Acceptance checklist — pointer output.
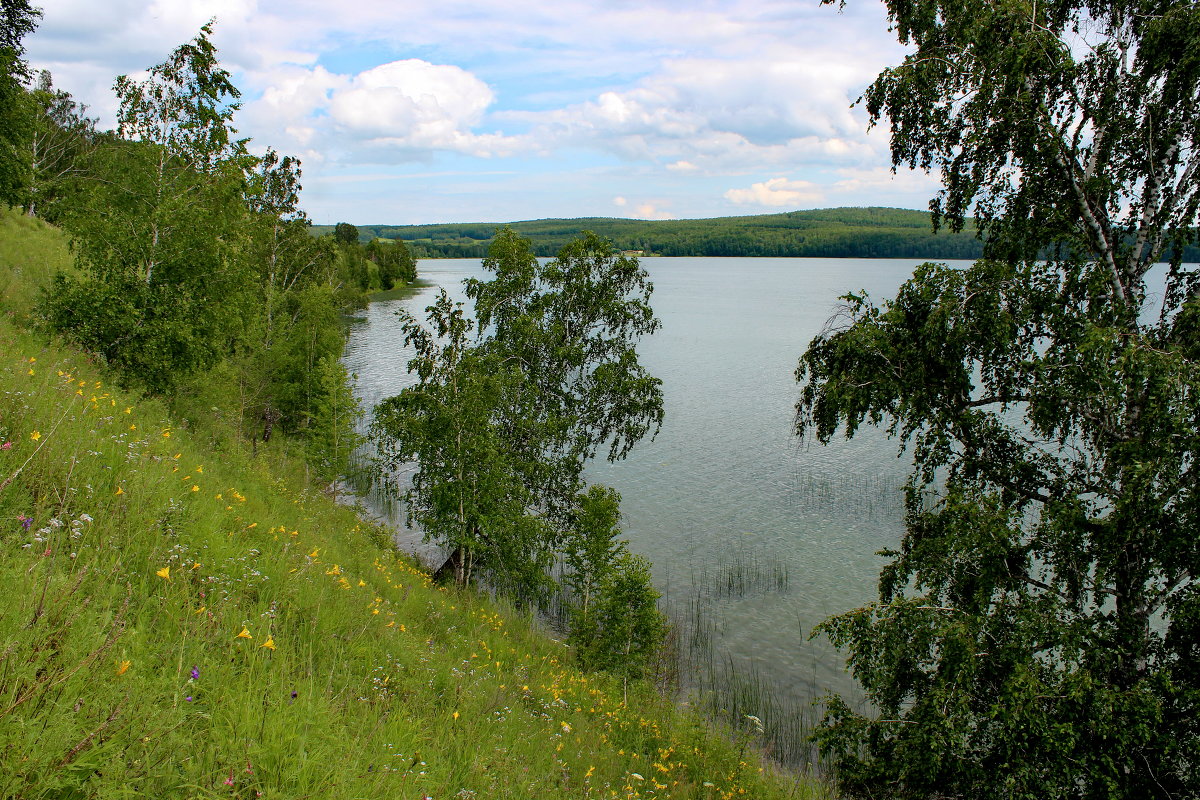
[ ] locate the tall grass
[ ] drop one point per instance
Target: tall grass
(733, 692)
(179, 621)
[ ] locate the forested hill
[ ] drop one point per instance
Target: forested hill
(835, 232)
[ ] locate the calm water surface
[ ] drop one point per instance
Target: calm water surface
(726, 487)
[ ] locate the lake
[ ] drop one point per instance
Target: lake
(755, 535)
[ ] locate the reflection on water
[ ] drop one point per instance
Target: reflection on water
(726, 480)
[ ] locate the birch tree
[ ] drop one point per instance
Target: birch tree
(1037, 630)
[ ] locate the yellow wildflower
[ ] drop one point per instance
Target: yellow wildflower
(166, 433)
(164, 573)
(245, 634)
(35, 435)
(119, 491)
(269, 643)
(201, 610)
(128, 409)
(122, 667)
(195, 488)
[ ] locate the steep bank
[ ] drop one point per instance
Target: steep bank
(184, 617)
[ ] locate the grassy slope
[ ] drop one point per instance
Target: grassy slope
(131, 554)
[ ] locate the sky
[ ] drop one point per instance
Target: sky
(407, 112)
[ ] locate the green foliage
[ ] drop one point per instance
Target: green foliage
(345, 234)
(615, 624)
(1034, 634)
(60, 146)
(504, 416)
(571, 326)
(394, 260)
(165, 289)
(332, 435)
(465, 493)
(17, 19)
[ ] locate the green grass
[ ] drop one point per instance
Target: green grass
(132, 553)
(400, 292)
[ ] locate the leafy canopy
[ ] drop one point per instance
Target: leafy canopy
(1037, 630)
(17, 19)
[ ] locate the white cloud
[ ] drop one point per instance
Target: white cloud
(777, 192)
(650, 211)
(398, 111)
(620, 202)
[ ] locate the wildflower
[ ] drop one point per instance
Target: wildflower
(229, 780)
(195, 673)
(195, 565)
(25, 521)
(245, 634)
(566, 728)
(164, 573)
(85, 517)
(294, 695)
(128, 409)
(119, 491)
(122, 667)
(199, 470)
(201, 610)
(269, 643)
(455, 715)
(166, 433)
(195, 488)
(636, 775)
(188, 698)
(6, 446)
(35, 435)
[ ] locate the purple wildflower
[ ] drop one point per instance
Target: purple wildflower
(188, 698)
(195, 673)
(25, 521)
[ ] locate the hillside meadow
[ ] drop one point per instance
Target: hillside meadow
(186, 616)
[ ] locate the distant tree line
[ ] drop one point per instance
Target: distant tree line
(823, 233)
